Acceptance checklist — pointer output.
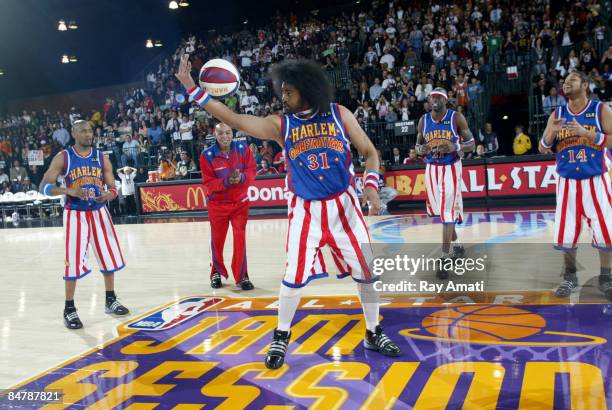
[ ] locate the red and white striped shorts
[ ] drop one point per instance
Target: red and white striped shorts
(583, 198)
(336, 222)
(90, 227)
(443, 185)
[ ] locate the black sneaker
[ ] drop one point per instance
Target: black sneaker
(215, 281)
(442, 273)
(380, 342)
(277, 350)
(605, 286)
(458, 251)
(246, 285)
(569, 285)
(71, 319)
(114, 307)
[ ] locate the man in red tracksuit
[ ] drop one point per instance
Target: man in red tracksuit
(228, 169)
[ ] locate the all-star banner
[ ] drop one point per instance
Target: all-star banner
(479, 181)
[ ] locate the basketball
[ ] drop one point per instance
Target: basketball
(220, 78)
(478, 323)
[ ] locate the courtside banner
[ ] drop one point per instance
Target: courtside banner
(191, 196)
(482, 180)
(479, 181)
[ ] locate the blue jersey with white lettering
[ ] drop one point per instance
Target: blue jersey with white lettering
(578, 157)
(440, 132)
(86, 173)
(318, 154)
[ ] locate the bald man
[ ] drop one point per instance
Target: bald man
(228, 169)
(90, 185)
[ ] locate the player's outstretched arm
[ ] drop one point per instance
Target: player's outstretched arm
(365, 147)
(550, 134)
(467, 138)
(48, 183)
(268, 128)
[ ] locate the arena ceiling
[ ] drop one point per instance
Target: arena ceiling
(109, 42)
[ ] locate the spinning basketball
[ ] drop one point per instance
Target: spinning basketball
(220, 78)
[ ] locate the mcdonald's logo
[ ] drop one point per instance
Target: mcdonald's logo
(196, 194)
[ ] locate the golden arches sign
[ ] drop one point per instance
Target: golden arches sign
(196, 194)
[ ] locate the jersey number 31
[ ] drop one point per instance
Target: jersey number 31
(313, 162)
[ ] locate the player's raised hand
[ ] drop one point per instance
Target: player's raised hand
(184, 73)
(577, 129)
(556, 126)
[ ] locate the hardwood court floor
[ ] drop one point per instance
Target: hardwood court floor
(168, 261)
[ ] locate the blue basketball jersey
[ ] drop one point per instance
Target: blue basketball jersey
(87, 174)
(580, 158)
(436, 133)
(318, 154)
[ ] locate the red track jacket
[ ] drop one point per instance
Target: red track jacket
(217, 168)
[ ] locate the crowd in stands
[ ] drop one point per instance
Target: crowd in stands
(394, 54)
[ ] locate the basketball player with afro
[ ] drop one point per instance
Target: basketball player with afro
(442, 135)
(579, 135)
(323, 209)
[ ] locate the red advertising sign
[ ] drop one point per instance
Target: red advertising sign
(508, 179)
(191, 196)
(410, 183)
(493, 180)
(522, 178)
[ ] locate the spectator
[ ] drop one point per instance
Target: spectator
(185, 166)
(279, 161)
(553, 101)
(413, 158)
(127, 176)
(3, 177)
(489, 139)
(387, 194)
(5, 187)
(131, 148)
(167, 170)
(474, 89)
(61, 135)
(480, 152)
(522, 142)
(141, 176)
(255, 152)
(155, 133)
(375, 90)
(266, 169)
(18, 173)
(461, 90)
(267, 152)
(396, 157)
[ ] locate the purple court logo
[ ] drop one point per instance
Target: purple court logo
(208, 352)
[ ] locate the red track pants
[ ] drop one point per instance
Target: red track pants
(220, 215)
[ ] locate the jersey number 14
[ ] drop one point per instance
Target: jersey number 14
(581, 156)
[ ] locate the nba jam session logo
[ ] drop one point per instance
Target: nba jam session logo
(208, 352)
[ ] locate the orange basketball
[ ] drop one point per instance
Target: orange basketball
(484, 323)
